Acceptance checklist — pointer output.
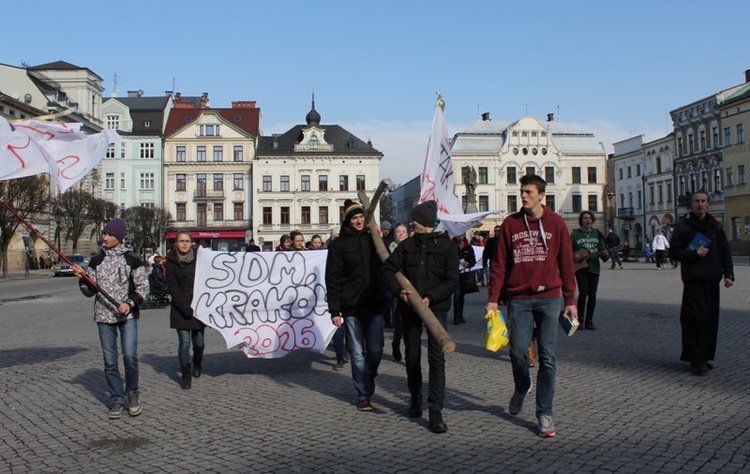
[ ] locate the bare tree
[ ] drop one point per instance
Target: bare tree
(29, 197)
(76, 216)
(386, 203)
(147, 224)
(101, 211)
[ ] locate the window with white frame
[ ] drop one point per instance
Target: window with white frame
(147, 151)
(239, 181)
(146, 181)
(181, 154)
(482, 175)
(740, 133)
(239, 153)
(109, 181)
(200, 154)
(111, 151)
(305, 182)
(209, 130)
(267, 185)
(218, 153)
(284, 183)
(122, 181)
(113, 122)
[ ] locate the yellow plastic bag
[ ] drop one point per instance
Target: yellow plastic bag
(497, 331)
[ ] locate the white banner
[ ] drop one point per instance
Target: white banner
(438, 183)
(267, 303)
(32, 147)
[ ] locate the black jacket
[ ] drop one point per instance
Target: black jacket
(180, 279)
(430, 263)
(716, 264)
(353, 275)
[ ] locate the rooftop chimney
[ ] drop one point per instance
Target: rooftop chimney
(550, 117)
(204, 101)
(747, 75)
(135, 93)
(243, 104)
(486, 117)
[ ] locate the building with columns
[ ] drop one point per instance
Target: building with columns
(302, 177)
(572, 162)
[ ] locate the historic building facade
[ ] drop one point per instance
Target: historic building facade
(659, 186)
(698, 159)
(132, 170)
(630, 214)
(734, 109)
(206, 181)
(572, 162)
(302, 177)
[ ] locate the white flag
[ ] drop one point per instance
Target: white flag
(438, 183)
(266, 303)
(32, 147)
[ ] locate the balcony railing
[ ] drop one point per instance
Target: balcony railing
(205, 194)
(625, 213)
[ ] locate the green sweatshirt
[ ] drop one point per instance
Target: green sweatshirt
(593, 241)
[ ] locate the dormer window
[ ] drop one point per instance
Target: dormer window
(314, 140)
(209, 130)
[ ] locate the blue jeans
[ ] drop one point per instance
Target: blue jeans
(365, 337)
(129, 342)
(522, 314)
(185, 338)
(339, 344)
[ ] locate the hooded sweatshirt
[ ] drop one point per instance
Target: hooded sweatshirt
(532, 265)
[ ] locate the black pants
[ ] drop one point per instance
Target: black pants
(659, 258)
(588, 283)
(412, 328)
(699, 318)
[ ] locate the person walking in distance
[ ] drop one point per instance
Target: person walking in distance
(613, 247)
(699, 242)
(180, 278)
(660, 246)
(430, 262)
(588, 248)
(535, 261)
(466, 260)
(355, 295)
(120, 273)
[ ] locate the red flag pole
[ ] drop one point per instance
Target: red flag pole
(58, 252)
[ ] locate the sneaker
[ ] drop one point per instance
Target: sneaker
(134, 404)
(516, 401)
(364, 405)
(339, 364)
(115, 411)
(546, 427)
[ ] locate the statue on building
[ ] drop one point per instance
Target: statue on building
(470, 181)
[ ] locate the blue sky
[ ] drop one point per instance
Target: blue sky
(614, 68)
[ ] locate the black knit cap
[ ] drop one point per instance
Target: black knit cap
(425, 213)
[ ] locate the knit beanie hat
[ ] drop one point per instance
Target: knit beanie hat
(386, 225)
(351, 209)
(117, 228)
(425, 213)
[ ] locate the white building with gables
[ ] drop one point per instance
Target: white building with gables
(572, 162)
(302, 177)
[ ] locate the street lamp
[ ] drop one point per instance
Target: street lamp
(608, 214)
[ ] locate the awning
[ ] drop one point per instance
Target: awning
(210, 234)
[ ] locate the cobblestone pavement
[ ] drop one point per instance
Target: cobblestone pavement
(624, 402)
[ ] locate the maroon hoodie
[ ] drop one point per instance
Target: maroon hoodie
(531, 266)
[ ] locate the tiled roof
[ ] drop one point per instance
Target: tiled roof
(343, 142)
(247, 119)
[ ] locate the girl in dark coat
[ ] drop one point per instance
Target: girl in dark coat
(180, 277)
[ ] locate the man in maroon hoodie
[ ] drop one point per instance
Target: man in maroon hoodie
(534, 262)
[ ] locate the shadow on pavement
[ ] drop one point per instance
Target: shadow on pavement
(35, 355)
